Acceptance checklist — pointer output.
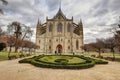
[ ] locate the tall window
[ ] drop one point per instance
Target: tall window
(49, 47)
(50, 41)
(50, 27)
(77, 44)
(68, 47)
(59, 28)
(61, 40)
(68, 27)
(57, 40)
(68, 41)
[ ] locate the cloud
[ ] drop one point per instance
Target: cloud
(52, 4)
(98, 16)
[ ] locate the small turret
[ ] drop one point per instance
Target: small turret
(80, 23)
(38, 27)
(39, 23)
(47, 18)
(72, 17)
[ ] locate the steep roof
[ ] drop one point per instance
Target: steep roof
(59, 14)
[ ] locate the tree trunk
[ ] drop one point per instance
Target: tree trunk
(16, 49)
(29, 50)
(16, 43)
(113, 53)
(9, 52)
(22, 49)
(99, 52)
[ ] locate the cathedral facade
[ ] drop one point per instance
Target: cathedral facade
(60, 35)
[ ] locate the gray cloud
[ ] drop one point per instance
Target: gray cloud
(52, 4)
(98, 16)
(100, 9)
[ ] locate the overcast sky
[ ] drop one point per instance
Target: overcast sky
(98, 16)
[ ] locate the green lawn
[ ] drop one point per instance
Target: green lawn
(103, 54)
(117, 56)
(4, 55)
(52, 59)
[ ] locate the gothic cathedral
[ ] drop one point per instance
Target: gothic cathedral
(60, 35)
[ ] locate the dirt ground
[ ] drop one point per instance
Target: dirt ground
(12, 70)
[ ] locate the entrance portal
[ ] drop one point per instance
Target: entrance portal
(59, 48)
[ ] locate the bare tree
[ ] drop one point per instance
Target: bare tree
(116, 32)
(15, 28)
(2, 33)
(20, 31)
(5, 3)
(10, 43)
(27, 33)
(99, 45)
(111, 44)
(87, 47)
(30, 45)
(117, 39)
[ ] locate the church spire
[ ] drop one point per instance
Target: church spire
(59, 13)
(80, 23)
(38, 22)
(60, 5)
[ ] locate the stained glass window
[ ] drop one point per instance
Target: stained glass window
(59, 28)
(68, 27)
(50, 27)
(77, 44)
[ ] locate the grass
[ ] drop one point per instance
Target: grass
(4, 55)
(117, 56)
(102, 54)
(69, 58)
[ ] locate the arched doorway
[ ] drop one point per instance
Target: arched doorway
(59, 48)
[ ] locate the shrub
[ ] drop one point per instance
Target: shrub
(27, 60)
(12, 57)
(93, 55)
(63, 63)
(117, 59)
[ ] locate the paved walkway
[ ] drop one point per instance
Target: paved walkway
(12, 70)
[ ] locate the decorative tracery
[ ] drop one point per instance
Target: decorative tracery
(50, 27)
(59, 28)
(68, 27)
(77, 44)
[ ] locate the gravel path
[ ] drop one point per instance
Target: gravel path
(12, 70)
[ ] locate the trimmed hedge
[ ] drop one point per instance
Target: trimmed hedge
(58, 63)
(117, 59)
(62, 61)
(90, 62)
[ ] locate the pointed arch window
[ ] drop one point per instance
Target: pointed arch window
(50, 41)
(50, 47)
(77, 44)
(69, 47)
(50, 28)
(59, 28)
(68, 27)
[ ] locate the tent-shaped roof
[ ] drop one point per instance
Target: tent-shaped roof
(59, 14)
